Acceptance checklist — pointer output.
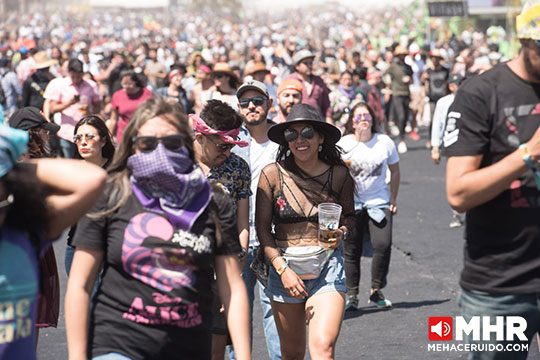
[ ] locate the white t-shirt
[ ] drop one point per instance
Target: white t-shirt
(260, 155)
(368, 164)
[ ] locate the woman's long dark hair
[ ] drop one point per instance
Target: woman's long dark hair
(330, 154)
(97, 123)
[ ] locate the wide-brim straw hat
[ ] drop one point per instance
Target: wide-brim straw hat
(306, 114)
(42, 61)
(223, 67)
(258, 66)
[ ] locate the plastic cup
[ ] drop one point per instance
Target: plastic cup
(329, 214)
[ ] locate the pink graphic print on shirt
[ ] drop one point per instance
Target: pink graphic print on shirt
(149, 256)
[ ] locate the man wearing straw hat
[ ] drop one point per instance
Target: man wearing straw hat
(35, 85)
(492, 139)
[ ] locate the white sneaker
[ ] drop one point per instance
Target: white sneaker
(456, 221)
(402, 147)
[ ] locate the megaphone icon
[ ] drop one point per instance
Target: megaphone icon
(442, 328)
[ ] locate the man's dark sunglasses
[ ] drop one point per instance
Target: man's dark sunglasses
(218, 75)
(307, 133)
(221, 147)
(257, 101)
(5, 204)
(149, 143)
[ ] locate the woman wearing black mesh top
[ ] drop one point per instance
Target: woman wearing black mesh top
(306, 282)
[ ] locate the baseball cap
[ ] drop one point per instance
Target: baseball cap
(29, 118)
(527, 24)
(289, 84)
(301, 55)
(252, 85)
(456, 78)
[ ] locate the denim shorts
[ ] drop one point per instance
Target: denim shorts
(332, 278)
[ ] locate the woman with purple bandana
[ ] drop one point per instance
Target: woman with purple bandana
(160, 229)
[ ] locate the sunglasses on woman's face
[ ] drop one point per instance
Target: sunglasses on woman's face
(221, 147)
(257, 101)
(307, 133)
(149, 143)
(88, 136)
(5, 204)
(366, 117)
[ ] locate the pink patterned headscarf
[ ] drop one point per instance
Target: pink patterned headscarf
(229, 136)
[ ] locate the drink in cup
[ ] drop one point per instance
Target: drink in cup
(329, 214)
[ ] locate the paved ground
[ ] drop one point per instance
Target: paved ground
(424, 271)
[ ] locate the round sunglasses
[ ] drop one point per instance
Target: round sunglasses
(307, 133)
(366, 117)
(149, 143)
(88, 136)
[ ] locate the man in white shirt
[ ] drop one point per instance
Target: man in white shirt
(254, 103)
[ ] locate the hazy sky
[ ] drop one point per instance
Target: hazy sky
(299, 3)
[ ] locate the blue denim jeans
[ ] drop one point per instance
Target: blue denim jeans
(270, 330)
(68, 149)
(111, 356)
(479, 303)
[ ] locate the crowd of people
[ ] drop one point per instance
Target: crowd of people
(220, 138)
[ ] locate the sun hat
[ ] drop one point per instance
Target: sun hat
(307, 114)
(29, 118)
(289, 84)
(301, 55)
(252, 85)
(527, 23)
(401, 50)
(258, 66)
(42, 61)
(223, 67)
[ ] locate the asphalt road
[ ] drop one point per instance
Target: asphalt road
(423, 280)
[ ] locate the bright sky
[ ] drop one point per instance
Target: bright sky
(299, 3)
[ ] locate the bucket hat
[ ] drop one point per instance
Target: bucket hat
(306, 114)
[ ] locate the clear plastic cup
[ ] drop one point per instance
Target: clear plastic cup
(329, 214)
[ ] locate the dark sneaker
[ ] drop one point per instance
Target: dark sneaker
(352, 303)
(378, 299)
(456, 221)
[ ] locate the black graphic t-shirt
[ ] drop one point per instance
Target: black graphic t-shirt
(155, 297)
(493, 114)
(438, 83)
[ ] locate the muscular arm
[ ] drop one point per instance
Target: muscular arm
(468, 186)
(56, 106)
(75, 185)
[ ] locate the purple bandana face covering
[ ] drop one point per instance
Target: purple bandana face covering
(168, 182)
